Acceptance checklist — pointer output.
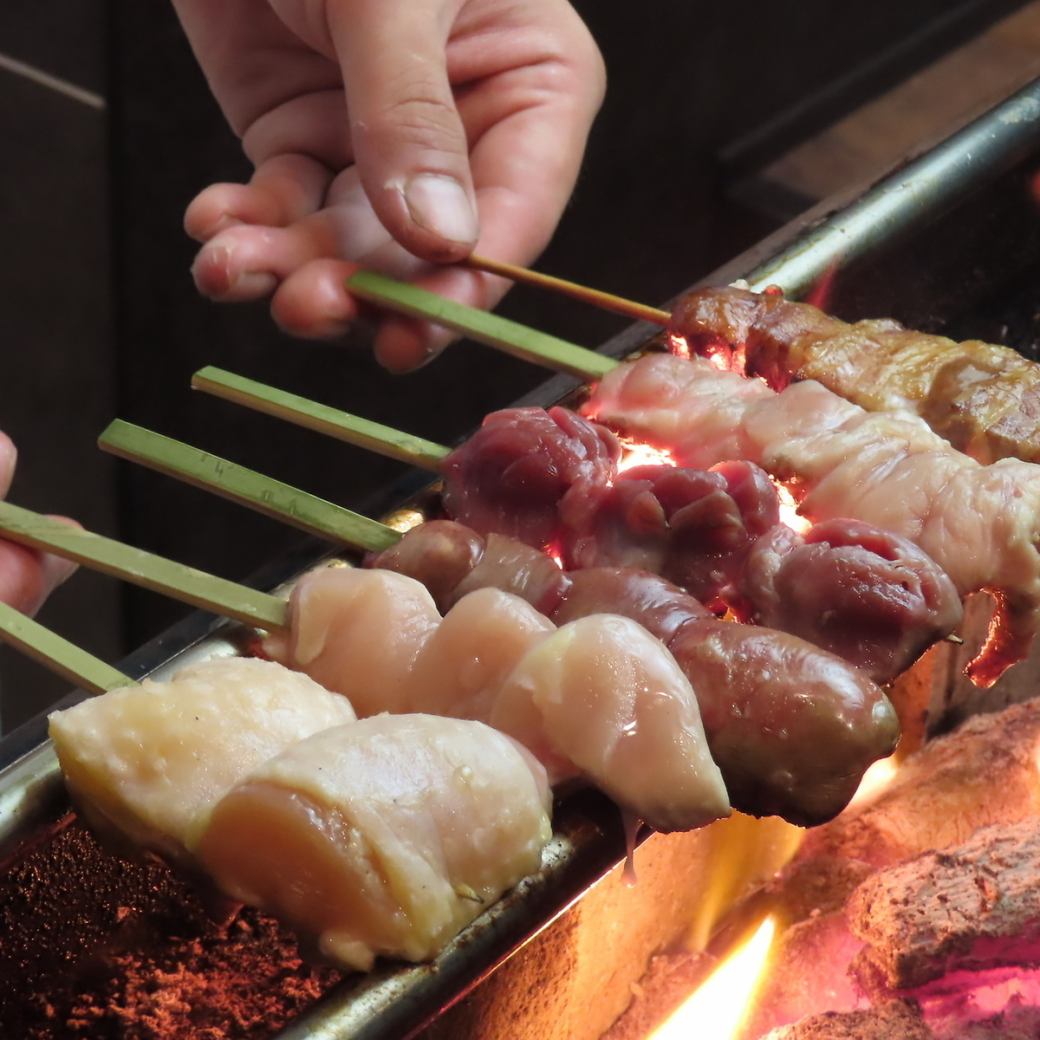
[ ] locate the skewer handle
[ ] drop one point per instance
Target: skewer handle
(508, 336)
(604, 300)
(245, 486)
(58, 654)
(384, 440)
(143, 568)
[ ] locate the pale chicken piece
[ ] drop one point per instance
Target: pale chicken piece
(465, 661)
(980, 524)
(143, 760)
(668, 402)
(383, 837)
(606, 696)
(357, 632)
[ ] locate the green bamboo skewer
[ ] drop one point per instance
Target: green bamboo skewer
(321, 418)
(143, 568)
(351, 429)
(266, 495)
(247, 487)
(501, 333)
(58, 654)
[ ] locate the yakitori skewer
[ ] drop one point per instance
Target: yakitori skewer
(58, 654)
(322, 419)
(509, 336)
(264, 494)
(344, 426)
(143, 568)
(604, 300)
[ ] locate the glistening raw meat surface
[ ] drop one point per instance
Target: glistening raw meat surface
(791, 727)
(514, 474)
(978, 523)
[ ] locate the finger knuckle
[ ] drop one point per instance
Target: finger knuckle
(422, 119)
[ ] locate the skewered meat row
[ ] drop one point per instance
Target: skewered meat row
(984, 399)
(347, 830)
(552, 479)
(791, 727)
(978, 523)
(599, 699)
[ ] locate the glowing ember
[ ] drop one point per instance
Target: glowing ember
(720, 1007)
(678, 345)
(726, 357)
(635, 453)
(789, 514)
(875, 780)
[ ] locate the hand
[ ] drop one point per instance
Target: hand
(27, 577)
(396, 134)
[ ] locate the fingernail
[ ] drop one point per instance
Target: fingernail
(440, 204)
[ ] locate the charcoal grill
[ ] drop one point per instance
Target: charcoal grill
(949, 242)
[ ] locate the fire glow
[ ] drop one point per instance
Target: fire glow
(679, 345)
(720, 1006)
(636, 453)
(789, 515)
(876, 780)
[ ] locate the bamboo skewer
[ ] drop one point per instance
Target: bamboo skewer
(58, 654)
(247, 487)
(345, 427)
(583, 293)
(283, 503)
(143, 568)
(508, 336)
(351, 429)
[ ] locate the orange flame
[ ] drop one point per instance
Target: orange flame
(875, 781)
(720, 1007)
(678, 345)
(636, 453)
(789, 514)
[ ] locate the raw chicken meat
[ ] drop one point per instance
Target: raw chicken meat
(357, 632)
(382, 837)
(978, 523)
(143, 760)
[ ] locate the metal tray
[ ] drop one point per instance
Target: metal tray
(946, 237)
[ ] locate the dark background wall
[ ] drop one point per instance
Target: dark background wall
(108, 130)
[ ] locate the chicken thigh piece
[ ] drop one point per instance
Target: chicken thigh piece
(383, 837)
(143, 760)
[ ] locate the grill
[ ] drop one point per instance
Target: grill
(947, 242)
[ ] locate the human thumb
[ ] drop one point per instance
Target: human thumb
(409, 142)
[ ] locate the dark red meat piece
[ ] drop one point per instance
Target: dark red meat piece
(511, 476)
(869, 596)
(510, 565)
(792, 727)
(439, 553)
(658, 605)
(694, 527)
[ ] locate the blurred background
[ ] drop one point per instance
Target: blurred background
(721, 123)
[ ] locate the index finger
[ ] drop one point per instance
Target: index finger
(8, 458)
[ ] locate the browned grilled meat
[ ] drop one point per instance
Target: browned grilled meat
(984, 399)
